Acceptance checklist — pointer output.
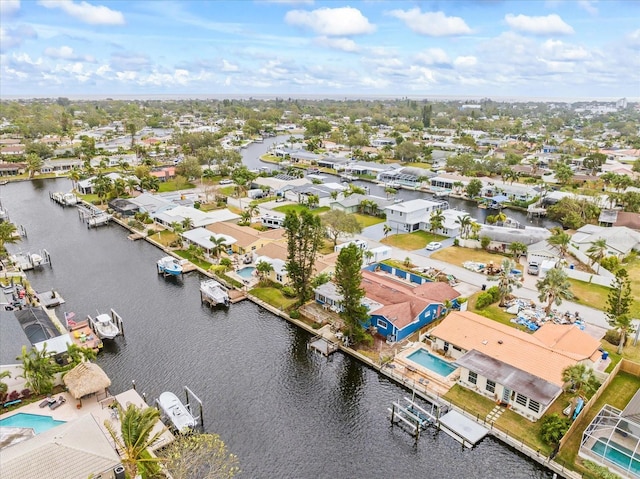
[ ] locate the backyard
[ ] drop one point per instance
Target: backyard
(618, 394)
(412, 241)
(300, 208)
(365, 220)
(274, 297)
(595, 295)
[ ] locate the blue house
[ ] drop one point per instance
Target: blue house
(397, 309)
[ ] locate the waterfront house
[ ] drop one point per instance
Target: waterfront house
(198, 218)
(396, 309)
(152, 204)
(523, 371)
(85, 187)
(12, 169)
(352, 204)
(405, 176)
(246, 239)
(75, 450)
(275, 253)
(201, 237)
(620, 218)
(412, 215)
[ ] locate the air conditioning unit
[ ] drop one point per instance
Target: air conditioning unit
(118, 472)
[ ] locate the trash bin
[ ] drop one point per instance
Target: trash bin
(605, 355)
(572, 266)
(484, 287)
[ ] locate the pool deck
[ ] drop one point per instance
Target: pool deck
(100, 410)
(420, 375)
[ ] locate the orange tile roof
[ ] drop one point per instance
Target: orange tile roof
(568, 339)
(245, 235)
(521, 350)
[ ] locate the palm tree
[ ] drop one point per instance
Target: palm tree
(218, 245)
(368, 255)
(245, 218)
(597, 251)
(507, 280)
(74, 176)
(187, 224)
(38, 368)
(135, 436)
(465, 225)
(3, 386)
(518, 249)
(436, 221)
(131, 183)
(102, 186)
(386, 229)
(581, 378)
(264, 268)
(119, 188)
(253, 209)
(553, 288)
(560, 239)
(34, 164)
(177, 228)
(8, 235)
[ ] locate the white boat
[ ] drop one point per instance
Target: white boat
(70, 199)
(213, 292)
(170, 266)
(36, 259)
(176, 412)
(106, 326)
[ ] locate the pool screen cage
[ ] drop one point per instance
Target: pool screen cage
(613, 440)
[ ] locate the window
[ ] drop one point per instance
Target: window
(534, 406)
(491, 386)
(521, 399)
(382, 324)
(473, 377)
(279, 278)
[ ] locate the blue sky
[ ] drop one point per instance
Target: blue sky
(552, 48)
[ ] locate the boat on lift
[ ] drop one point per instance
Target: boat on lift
(169, 266)
(176, 413)
(106, 326)
(212, 292)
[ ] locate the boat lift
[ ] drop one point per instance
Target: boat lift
(412, 415)
(28, 261)
(93, 216)
(117, 319)
(191, 399)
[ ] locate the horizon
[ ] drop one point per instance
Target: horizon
(315, 97)
(536, 49)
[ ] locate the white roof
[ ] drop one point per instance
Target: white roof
(56, 345)
(199, 218)
(277, 184)
(151, 203)
(278, 264)
(201, 237)
(619, 238)
(413, 205)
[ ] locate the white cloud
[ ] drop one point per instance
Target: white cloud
(344, 44)
(290, 2)
(433, 56)
(67, 53)
(549, 25)
(335, 22)
(86, 12)
(634, 38)
(13, 37)
(560, 51)
(465, 61)
(9, 7)
(433, 24)
(589, 6)
(228, 66)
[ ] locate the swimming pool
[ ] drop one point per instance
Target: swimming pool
(621, 456)
(426, 360)
(246, 272)
(34, 421)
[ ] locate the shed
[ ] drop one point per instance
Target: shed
(86, 378)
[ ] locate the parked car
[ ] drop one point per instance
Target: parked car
(434, 245)
(226, 182)
(534, 268)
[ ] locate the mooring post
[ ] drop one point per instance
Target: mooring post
(133, 383)
(393, 412)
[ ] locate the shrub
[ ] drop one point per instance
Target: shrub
(289, 292)
(484, 242)
(484, 300)
(494, 291)
(553, 428)
(612, 337)
(295, 314)
(13, 395)
(456, 242)
(610, 263)
(600, 472)
(25, 393)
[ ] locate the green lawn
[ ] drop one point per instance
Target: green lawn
(470, 401)
(366, 220)
(274, 297)
(198, 262)
(492, 311)
(412, 241)
(300, 208)
(172, 185)
(618, 394)
(227, 190)
(165, 237)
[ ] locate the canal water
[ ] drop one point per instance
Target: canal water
(285, 411)
(251, 158)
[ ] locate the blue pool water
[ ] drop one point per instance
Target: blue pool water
(246, 272)
(426, 360)
(34, 421)
(626, 460)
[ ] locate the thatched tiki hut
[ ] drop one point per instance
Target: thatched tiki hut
(84, 379)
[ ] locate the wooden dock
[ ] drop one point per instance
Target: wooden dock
(49, 299)
(92, 216)
(322, 345)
